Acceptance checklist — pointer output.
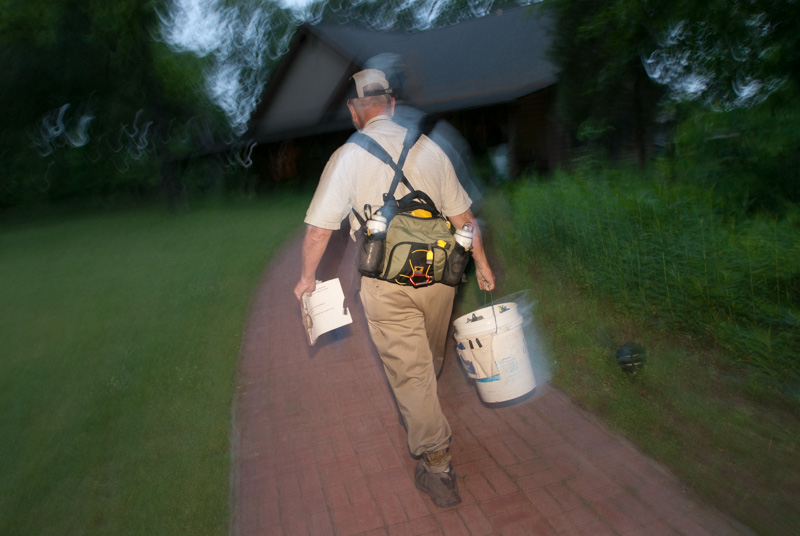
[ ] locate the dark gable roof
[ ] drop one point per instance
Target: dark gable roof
(476, 63)
(481, 62)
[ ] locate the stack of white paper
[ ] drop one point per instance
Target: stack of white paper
(324, 310)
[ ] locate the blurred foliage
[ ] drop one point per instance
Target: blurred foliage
(96, 101)
(402, 15)
(748, 155)
(605, 97)
(728, 53)
(623, 64)
(676, 253)
(100, 106)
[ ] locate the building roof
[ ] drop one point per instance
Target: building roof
(481, 62)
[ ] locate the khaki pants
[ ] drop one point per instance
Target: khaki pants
(409, 327)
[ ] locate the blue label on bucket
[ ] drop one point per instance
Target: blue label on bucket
(468, 366)
(495, 378)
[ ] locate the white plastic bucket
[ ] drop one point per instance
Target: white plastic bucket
(491, 345)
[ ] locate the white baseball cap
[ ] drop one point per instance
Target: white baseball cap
(371, 82)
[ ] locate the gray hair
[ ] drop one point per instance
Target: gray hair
(366, 103)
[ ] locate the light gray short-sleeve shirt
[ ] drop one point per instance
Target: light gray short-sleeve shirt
(353, 177)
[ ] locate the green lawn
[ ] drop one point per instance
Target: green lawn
(120, 337)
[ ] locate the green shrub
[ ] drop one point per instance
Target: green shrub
(668, 252)
(749, 155)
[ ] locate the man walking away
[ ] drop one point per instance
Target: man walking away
(408, 325)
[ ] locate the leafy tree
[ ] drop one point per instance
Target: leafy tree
(239, 41)
(97, 102)
(402, 15)
(605, 94)
(728, 53)
(456, 11)
(733, 67)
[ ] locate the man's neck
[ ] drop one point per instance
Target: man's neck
(376, 118)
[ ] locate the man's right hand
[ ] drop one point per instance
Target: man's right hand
(314, 243)
(305, 286)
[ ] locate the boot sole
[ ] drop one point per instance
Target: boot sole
(441, 504)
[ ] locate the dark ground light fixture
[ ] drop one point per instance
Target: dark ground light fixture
(631, 357)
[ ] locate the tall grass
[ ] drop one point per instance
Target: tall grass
(120, 336)
(737, 451)
(673, 253)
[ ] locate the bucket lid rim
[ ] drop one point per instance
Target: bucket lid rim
(486, 319)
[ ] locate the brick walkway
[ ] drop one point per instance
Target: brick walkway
(318, 448)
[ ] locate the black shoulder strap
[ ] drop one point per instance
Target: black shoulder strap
(375, 148)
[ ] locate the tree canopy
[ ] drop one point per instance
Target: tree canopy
(104, 93)
(619, 60)
(100, 94)
(97, 99)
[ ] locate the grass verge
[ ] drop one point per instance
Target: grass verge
(120, 336)
(737, 452)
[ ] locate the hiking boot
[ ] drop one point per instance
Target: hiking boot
(441, 487)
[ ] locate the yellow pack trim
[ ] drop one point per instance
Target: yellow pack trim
(421, 213)
(441, 243)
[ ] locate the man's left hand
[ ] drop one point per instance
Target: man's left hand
(485, 277)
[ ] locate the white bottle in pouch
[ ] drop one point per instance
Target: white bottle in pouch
(464, 236)
(376, 224)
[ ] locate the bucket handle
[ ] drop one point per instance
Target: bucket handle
(491, 300)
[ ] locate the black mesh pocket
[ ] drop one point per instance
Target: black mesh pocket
(455, 265)
(370, 258)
